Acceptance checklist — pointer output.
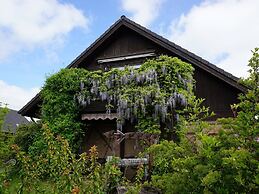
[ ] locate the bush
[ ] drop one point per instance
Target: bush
(224, 163)
(28, 137)
(59, 109)
(63, 170)
(6, 139)
(217, 164)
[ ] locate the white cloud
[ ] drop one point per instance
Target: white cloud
(16, 97)
(25, 24)
(143, 12)
(222, 31)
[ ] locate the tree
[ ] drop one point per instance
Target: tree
(5, 151)
(4, 138)
(63, 170)
(3, 112)
(224, 163)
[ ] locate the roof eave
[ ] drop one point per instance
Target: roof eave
(36, 99)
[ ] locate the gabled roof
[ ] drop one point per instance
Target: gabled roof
(12, 120)
(168, 45)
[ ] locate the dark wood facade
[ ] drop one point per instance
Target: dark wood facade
(217, 93)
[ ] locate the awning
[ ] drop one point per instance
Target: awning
(99, 116)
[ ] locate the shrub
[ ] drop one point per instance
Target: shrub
(59, 109)
(6, 140)
(28, 137)
(63, 170)
(224, 163)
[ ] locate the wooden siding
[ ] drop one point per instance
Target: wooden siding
(218, 95)
(123, 42)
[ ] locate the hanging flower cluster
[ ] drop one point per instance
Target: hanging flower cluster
(158, 89)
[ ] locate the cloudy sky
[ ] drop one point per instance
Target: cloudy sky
(37, 38)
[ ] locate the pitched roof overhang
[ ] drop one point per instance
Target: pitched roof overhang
(168, 45)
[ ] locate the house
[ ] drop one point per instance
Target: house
(12, 120)
(128, 43)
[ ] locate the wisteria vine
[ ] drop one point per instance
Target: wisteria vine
(158, 89)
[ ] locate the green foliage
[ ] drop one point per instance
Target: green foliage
(64, 172)
(6, 140)
(6, 161)
(157, 96)
(4, 137)
(3, 112)
(148, 125)
(248, 115)
(136, 186)
(217, 164)
(154, 97)
(195, 111)
(223, 163)
(59, 109)
(28, 138)
(153, 94)
(149, 96)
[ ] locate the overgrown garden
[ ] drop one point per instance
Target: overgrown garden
(156, 98)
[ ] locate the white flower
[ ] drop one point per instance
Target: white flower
(256, 117)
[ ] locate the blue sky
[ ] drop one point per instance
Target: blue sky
(37, 38)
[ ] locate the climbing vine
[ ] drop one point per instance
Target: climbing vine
(152, 94)
(148, 97)
(59, 109)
